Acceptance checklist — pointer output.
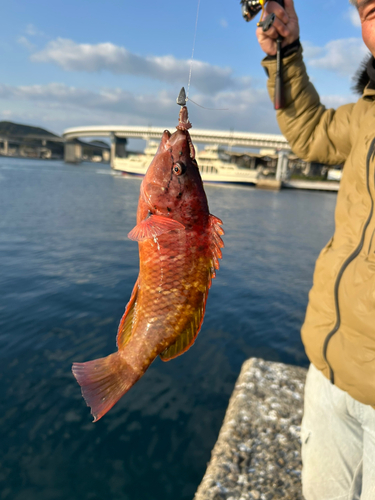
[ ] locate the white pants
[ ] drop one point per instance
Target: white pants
(338, 443)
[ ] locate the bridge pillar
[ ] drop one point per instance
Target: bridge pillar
(118, 148)
(121, 143)
(113, 150)
(6, 147)
(282, 166)
(72, 152)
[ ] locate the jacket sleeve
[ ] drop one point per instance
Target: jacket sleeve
(313, 132)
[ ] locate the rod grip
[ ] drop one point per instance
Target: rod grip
(279, 98)
(279, 101)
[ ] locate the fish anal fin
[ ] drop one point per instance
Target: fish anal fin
(153, 226)
(126, 324)
(187, 338)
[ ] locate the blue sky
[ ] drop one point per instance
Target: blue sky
(77, 63)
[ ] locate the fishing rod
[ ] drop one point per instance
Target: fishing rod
(250, 8)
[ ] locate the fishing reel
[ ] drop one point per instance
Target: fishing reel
(250, 8)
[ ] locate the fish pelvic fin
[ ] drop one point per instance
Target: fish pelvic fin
(104, 381)
(153, 226)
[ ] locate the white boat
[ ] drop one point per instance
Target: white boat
(136, 164)
(334, 174)
(214, 165)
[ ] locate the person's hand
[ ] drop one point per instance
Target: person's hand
(286, 24)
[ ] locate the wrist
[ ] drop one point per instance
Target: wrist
(287, 50)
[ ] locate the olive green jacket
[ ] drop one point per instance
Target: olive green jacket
(339, 328)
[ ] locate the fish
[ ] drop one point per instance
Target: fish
(179, 250)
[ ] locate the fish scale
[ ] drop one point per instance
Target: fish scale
(182, 284)
(179, 247)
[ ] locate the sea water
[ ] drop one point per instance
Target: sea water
(67, 272)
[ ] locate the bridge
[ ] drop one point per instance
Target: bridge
(119, 133)
(34, 145)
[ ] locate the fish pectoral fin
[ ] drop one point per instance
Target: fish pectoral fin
(187, 338)
(216, 242)
(126, 324)
(153, 226)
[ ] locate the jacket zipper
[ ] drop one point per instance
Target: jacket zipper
(352, 256)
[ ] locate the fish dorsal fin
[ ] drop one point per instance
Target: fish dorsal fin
(187, 338)
(153, 226)
(216, 242)
(126, 324)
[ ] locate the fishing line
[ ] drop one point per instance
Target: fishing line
(192, 53)
(211, 109)
(191, 66)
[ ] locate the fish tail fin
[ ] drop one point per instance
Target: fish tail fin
(104, 381)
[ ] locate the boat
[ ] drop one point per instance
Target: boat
(215, 165)
(334, 174)
(136, 164)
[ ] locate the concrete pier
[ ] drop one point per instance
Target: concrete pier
(269, 184)
(257, 454)
(6, 147)
(73, 152)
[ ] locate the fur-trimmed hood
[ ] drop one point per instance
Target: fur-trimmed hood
(364, 75)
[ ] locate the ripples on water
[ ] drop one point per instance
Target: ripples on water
(67, 272)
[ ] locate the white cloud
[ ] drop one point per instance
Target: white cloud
(224, 23)
(72, 56)
(31, 30)
(57, 106)
(353, 16)
(22, 40)
(61, 106)
(340, 56)
(334, 101)
(311, 51)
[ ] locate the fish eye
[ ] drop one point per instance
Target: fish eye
(179, 168)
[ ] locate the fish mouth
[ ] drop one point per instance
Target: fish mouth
(182, 136)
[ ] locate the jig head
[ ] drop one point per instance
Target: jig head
(181, 99)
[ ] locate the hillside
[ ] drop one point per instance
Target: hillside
(18, 130)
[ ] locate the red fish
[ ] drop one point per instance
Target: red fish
(179, 247)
